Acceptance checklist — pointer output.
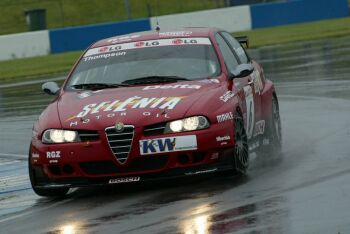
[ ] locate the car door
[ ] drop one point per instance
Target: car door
(233, 57)
(255, 77)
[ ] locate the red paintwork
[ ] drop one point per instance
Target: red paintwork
(204, 101)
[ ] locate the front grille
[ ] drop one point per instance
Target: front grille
(120, 142)
(154, 129)
(87, 135)
(139, 164)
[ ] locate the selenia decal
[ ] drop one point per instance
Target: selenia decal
(136, 102)
(168, 144)
(249, 99)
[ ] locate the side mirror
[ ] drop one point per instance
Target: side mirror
(242, 70)
(50, 88)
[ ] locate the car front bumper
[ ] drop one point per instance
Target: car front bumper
(93, 163)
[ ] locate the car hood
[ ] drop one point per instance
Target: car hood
(138, 105)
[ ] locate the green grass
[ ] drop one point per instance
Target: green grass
(62, 13)
(34, 68)
(298, 32)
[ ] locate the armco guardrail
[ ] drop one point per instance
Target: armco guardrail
(231, 19)
(297, 11)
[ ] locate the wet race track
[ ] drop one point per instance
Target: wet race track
(305, 190)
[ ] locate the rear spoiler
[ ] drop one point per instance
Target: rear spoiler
(243, 40)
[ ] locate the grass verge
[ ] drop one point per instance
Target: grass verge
(59, 64)
(298, 32)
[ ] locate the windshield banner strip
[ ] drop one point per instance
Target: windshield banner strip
(148, 44)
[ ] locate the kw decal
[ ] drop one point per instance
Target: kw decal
(168, 144)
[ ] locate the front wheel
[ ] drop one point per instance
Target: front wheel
(241, 149)
(50, 192)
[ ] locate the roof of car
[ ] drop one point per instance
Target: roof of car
(154, 35)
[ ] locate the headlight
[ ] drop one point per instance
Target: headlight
(187, 124)
(53, 136)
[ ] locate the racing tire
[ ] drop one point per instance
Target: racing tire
(51, 192)
(241, 148)
(274, 131)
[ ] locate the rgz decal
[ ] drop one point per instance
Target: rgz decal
(53, 154)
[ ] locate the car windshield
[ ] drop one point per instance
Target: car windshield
(146, 62)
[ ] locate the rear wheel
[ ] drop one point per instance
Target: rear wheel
(51, 192)
(241, 149)
(274, 131)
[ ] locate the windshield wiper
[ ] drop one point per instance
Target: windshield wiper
(96, 86)
(154, 79)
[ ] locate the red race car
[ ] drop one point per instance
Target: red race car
(154, 105)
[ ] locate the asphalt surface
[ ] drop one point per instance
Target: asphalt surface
(305, 190)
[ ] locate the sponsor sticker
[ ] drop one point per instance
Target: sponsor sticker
(201, 172)
(53, 154)
(210, 81)
(250, 111)
(124, 180)
(259, 128)
(254, 145)
(224, 117)
(104, 56)
(227, 96)
(176, 34)
(185, 86)
(223, 138)
(148, 44)
(214, 156)
(168, 144)
(258, 85)
(123, 38)
(120, 106)
(98, 117)
(84, 94)
(266, 141)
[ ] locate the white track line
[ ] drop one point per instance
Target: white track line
(14, 156)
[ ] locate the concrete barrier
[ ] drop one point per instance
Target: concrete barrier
(297, 11)
(79, 38)
(232, 19)
(23, 45)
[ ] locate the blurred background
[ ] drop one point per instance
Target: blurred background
(63, 13)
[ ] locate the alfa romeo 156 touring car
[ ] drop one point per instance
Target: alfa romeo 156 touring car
(154, 105)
